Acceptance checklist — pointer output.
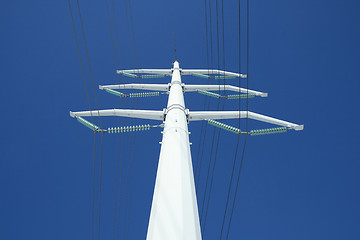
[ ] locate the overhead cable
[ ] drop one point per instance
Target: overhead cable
(92, 120)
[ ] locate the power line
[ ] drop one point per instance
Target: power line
(211, 182)
(214, 132)
(129, 149)
(92, 120)
(212, 67)
(121, 169)
(111, 35)
(218, 139)
(247, 108)
(206, 98)
(88, 60)
(223, 40)
(101, 154)
(125, 232)
(237, 144)
(239, 60)
(247, 62)
(97, 105)
(237, 186)
(116, 177)
(211, 51)
(118, 139)
(173, 28)
(219, 133)
(81, 64)
(130, 178)
(131, 33)
(116, 31)
(208, 172)
(127, 186)
(212, 144)
(93, 193)
(228, 195)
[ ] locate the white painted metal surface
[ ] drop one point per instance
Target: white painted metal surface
(212, 71)
(192, 88)
(144, 114)
(174, 211)
(151, 71)
(151, 87)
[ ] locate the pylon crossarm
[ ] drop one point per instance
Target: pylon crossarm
(193, 88)
(151, 87)
(166, 72)
(205, 115)
(202, 72)
(144, 114)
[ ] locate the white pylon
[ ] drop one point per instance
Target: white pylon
(174, 212)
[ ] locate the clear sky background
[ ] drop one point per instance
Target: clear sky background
(297, 185)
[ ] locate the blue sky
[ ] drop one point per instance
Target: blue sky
(298, 185)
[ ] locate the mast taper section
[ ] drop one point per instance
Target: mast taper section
(174, 211)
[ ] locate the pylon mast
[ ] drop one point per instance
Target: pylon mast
(174, 211)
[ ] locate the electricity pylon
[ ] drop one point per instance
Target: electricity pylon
(174, 211)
